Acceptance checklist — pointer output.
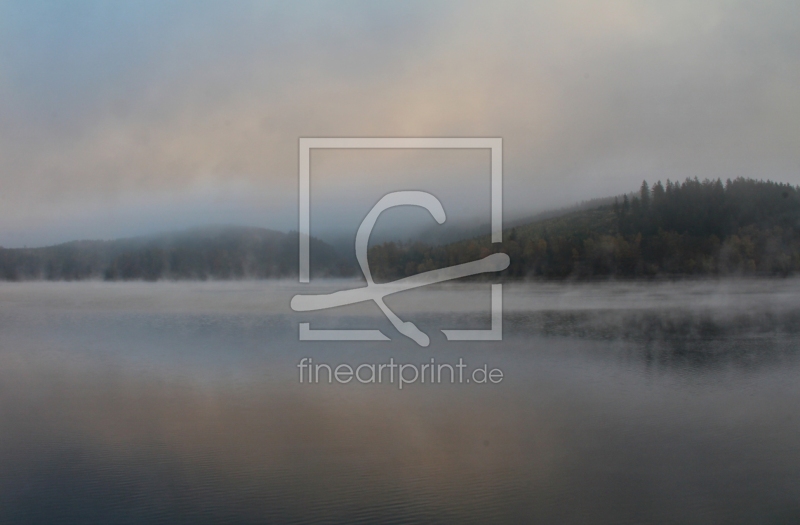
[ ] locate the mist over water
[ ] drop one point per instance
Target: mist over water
(180, 403)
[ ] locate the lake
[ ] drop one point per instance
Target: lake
(182, 403)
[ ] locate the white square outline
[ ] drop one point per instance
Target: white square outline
(306, 144)
(495, 145)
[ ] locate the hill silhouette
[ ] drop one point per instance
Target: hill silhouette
(740, 227)
(203, 253)
(691, 228)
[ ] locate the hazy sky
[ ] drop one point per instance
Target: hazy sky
(119, 118)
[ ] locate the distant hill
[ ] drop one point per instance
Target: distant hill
(434, 234)
(741, 227)
(204, 253)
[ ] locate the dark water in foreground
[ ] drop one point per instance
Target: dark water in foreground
(180, 403)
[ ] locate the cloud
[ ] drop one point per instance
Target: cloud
(105, 105)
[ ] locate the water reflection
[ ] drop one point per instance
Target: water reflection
(143, 404)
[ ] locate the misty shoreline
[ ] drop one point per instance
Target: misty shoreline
(673, 231)
(356, 280)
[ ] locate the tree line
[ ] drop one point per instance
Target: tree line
(740, 227)
(210, 253)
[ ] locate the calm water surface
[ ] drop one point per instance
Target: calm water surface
(180, 403)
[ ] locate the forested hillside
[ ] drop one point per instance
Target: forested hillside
(740, 227)
(209, 253)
